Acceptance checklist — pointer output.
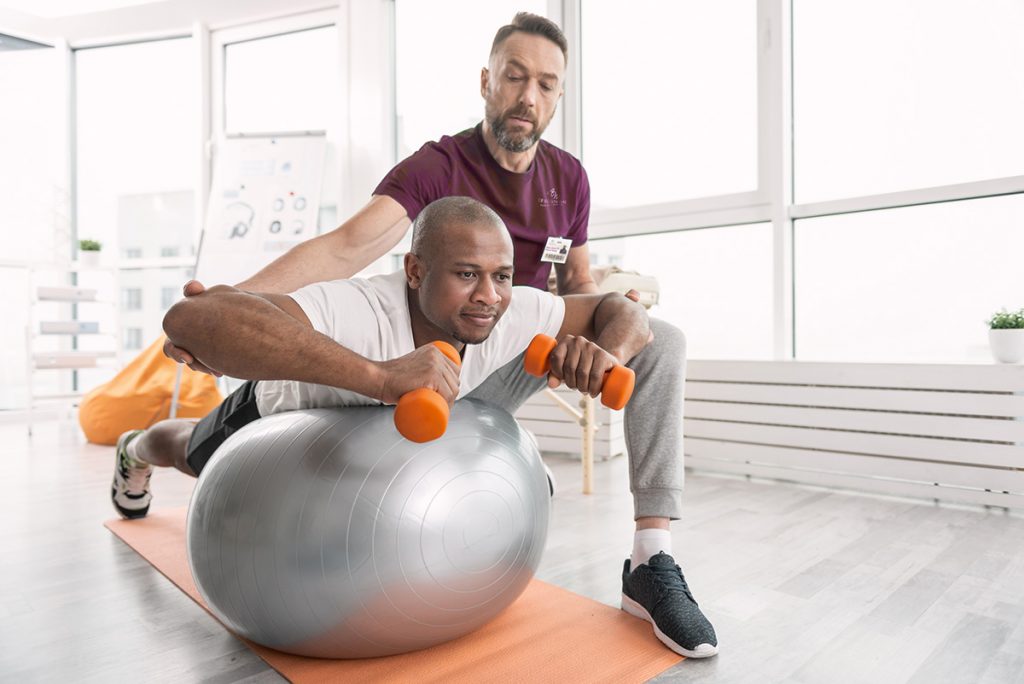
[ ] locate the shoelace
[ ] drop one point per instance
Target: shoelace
(135, 479)
(671, 579)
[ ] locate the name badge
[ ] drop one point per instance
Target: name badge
(556, 251)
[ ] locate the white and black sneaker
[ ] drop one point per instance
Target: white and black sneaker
(130, 489)
(657, 592)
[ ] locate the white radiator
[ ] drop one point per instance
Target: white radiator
(944, 432)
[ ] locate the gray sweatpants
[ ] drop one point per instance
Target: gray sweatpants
(653, 418)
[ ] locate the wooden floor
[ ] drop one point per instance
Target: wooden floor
(803, 585)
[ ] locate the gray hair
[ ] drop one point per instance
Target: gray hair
(534, 25)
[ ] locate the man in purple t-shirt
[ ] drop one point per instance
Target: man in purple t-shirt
(545, 206)
(543, 196)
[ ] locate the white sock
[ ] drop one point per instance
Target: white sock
(647, 543)
(132, 449)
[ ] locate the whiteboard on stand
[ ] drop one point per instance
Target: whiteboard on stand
(264, 200)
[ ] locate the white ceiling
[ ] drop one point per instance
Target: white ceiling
(153, 18)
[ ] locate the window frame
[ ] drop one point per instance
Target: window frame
(221, 39)
(197, 36)
(367, 134)
(773, 200)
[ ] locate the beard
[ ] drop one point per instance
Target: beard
(471, 338)
(468, 334)
(511, 140)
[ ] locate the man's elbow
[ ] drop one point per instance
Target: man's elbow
(178, 320)
(616, 304)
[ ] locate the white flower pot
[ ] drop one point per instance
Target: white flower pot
(1007, 344)
(89, 259)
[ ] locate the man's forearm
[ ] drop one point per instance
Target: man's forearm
(579, 287)
(622, 326)
(341, 253)
(247, 336)
(309, 262)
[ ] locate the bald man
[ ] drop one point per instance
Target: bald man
(367, 341)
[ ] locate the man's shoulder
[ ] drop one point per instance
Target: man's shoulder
(438, 157)
(387, 285)
(375, 286)
(379, 298)
(449, 143)
(557, 155)
(530, 301)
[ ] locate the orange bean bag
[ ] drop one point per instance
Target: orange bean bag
(140, 395)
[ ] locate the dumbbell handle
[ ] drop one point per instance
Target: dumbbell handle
(422, 414)
(616, 389)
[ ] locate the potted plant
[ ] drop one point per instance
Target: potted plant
(1006, 336)
(89, 252)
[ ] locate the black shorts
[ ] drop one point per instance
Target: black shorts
(234, 413)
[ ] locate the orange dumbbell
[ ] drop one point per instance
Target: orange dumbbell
(422, 414)
(618, 383)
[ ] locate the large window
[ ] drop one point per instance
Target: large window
(440, 47)
(34, 221)
(911, 284)
(669, 100)
(138, 151)
(895, 96)
(282, 83)
(288, 83)
(715, 285)
(137, 141)
(35, 194)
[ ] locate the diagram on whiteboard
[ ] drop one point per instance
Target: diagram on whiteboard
(264, 200)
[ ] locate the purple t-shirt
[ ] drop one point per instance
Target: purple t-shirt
(551, 199)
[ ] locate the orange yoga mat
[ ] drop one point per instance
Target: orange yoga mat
(548, 635)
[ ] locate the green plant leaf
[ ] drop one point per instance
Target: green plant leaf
(1007, 320)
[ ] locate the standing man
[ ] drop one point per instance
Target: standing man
(543, 196)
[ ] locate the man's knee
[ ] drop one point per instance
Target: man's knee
(669, 341)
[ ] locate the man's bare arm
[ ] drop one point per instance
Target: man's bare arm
(597, 333)
(268, 337)
(573, 277)
(341, 253)
(615, 323)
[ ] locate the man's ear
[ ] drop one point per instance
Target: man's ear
(414, 271)
(484, 76)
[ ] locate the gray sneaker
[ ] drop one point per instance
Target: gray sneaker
(657, 592)
(130, 488)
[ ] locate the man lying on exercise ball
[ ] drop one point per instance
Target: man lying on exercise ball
(543, 196)
(367, 341)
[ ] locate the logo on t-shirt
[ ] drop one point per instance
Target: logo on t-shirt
(551, 199)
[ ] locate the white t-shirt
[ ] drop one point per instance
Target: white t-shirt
(371, 318)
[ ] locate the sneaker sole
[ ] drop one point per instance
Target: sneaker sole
(636, 610)
(127, 513)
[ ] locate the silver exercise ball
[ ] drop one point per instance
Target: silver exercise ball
(325, 533)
